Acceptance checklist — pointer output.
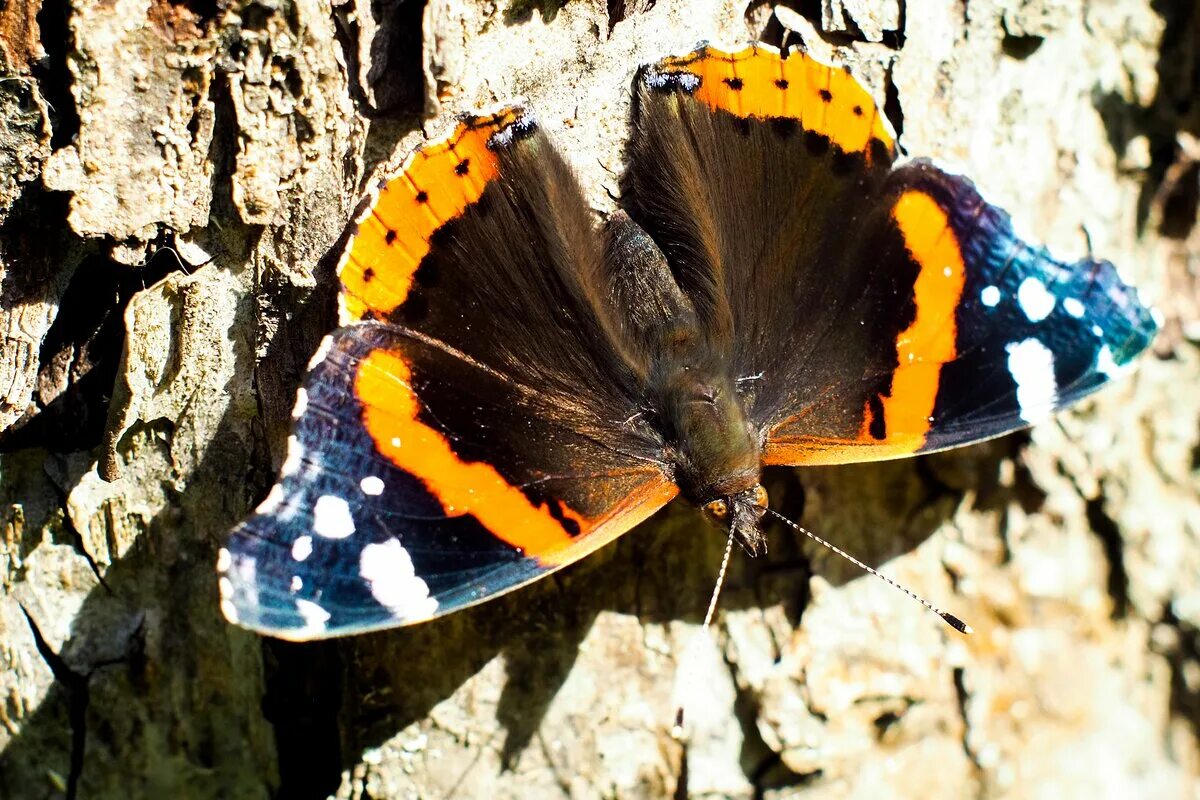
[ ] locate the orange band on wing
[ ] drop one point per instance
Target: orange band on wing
(759, 82)
(390, 413)
(921, 348)
(929, 342)
(435, 184)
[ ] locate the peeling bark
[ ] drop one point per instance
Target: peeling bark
(174, 178)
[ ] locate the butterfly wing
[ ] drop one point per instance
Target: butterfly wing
(870, 312)
(465, 432)
(1025, 335)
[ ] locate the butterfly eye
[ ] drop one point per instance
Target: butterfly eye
(717, 509)
(760, 496)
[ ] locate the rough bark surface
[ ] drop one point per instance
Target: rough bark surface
(173, 177)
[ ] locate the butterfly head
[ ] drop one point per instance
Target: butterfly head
(740, 514)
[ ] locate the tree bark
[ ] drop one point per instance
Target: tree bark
(174, 178)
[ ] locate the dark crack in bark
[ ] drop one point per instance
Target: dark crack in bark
(53, 74)
(964, 697)
(1109, 533)
(76, 686)
(76, 538)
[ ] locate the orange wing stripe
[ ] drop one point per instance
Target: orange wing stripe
(922, 348)
(758, 81)
(929, 342)
(437, 183)
(390, 413)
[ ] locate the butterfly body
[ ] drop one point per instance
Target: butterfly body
(513, 386)
(712, 452)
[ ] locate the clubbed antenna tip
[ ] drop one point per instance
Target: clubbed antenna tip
(949, 619)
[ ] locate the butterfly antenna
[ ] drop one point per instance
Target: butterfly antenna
(677, 728)
(948, 618)
(716, 594)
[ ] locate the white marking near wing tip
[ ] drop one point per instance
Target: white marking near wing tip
(301, 403)
(1031, 365)
(225, 587)
(224, 560)
(271, 501)
(230, 611)
(990, 296)
(322, 351)
(1097, 330)
(302, 548)
(1035, 299)
(1073, 307)
(388, 569)
(297, 583)
(371, 485)
(1106, 365)
(395, 441)
(314, 616)
(295, 455)
(332, 518)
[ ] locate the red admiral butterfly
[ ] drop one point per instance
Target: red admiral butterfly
(512, 388)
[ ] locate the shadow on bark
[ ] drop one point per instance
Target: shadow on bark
(330, 701)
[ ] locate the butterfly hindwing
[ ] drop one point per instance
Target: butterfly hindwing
(870, 312)
(426, 472)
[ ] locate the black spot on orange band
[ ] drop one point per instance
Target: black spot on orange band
(758, 81)
(436, 184)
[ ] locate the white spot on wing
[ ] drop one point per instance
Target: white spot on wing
(1035, 299)
(1097, 330)
(371, 485)
(271, 501)
(322, 351)
(230, 611)
(388, 569)
(302, 548)
(297, 583)
(314, 616)
(1106, 365)
(224, 560)
(990, 296)
(331, 517)
(225, 587)
(1073, 307)
(301, 403)
(1031, 365)
(294, 457)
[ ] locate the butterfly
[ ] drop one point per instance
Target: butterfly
(514, 386)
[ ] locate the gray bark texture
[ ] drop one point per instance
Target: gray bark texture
(174, 177)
